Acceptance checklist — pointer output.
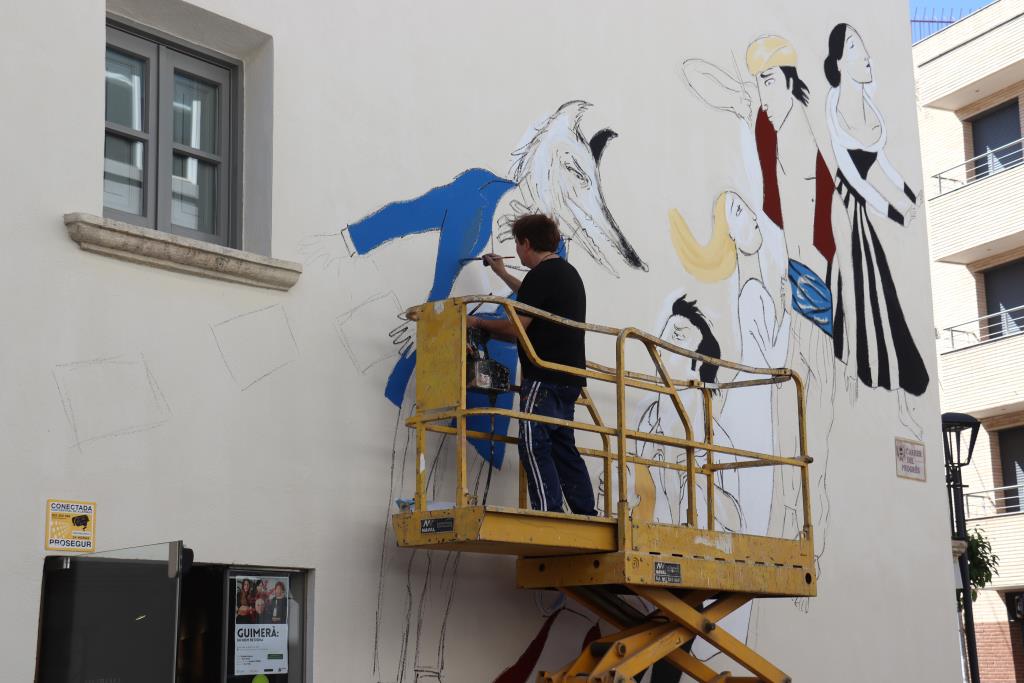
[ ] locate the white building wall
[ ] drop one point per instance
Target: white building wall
(276, 450)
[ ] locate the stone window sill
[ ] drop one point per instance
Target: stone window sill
(181, 254)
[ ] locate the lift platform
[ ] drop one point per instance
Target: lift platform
(693, 574)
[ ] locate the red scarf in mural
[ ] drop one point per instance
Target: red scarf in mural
(767, 140)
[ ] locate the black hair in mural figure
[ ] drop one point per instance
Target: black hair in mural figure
(796, 86)
(870, 325)
(836, 42)
(708, 345)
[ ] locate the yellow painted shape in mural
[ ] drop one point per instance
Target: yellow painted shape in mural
(769, 51)
(709, 262)
(70, 526)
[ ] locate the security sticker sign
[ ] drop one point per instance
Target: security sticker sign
(910, 459)
(70, 526)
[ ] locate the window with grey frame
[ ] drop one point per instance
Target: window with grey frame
(170, 147)
(996, 137)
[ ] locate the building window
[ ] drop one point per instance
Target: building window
(997, 141)
(172, 125)
(1004, 300)
(1011, 453)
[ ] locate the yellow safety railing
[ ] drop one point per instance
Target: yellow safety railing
(436, 415)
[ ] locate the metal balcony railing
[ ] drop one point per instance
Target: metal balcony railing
(1004, 500)
(929, 20)
(980, 167)
(1005, 323)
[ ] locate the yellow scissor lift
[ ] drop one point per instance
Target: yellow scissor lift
(692, 576)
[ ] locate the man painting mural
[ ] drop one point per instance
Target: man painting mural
(555, 170)
(554, 468)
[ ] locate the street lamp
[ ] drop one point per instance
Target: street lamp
(953, 427)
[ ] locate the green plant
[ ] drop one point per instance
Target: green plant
(982, 562)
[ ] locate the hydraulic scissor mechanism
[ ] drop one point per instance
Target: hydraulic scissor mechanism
(666, 632)
(663, 583)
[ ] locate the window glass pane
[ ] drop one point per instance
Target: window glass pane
(122, 174)
(1004, 299)
(194, 194)
(195, 113)
(1011, 452)
(996, 136)
(125, 88)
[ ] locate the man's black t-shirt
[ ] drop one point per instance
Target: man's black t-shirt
(554, 286)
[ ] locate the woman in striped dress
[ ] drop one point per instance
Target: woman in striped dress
(870, 329)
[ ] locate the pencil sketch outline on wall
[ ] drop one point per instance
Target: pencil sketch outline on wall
(256, 344)
(555, 170)
(364, 349)
(81, 386)
(662, 497)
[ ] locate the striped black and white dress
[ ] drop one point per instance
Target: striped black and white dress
(870, 329)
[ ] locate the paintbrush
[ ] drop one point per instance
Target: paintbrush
(481, 258)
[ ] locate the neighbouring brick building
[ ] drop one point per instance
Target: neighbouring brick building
(970, 90)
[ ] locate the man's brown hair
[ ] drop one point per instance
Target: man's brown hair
(540, 229)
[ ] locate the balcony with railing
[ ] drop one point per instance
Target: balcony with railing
(982, 365)
(1005, 500)
(977, 168)
(1005, 323)
(976, 208)
(971, 58)
(997, 512)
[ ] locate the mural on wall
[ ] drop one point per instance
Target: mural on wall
(811, 245)
(872, 334)
(662, 494)
(555, 170)
(797, 192)
(744, 418)
(793, 274)
(740, 257)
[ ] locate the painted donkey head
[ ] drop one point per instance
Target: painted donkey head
(557, 173)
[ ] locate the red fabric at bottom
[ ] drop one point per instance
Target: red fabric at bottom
(520, 671)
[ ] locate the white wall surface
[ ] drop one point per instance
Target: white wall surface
(377, 102)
